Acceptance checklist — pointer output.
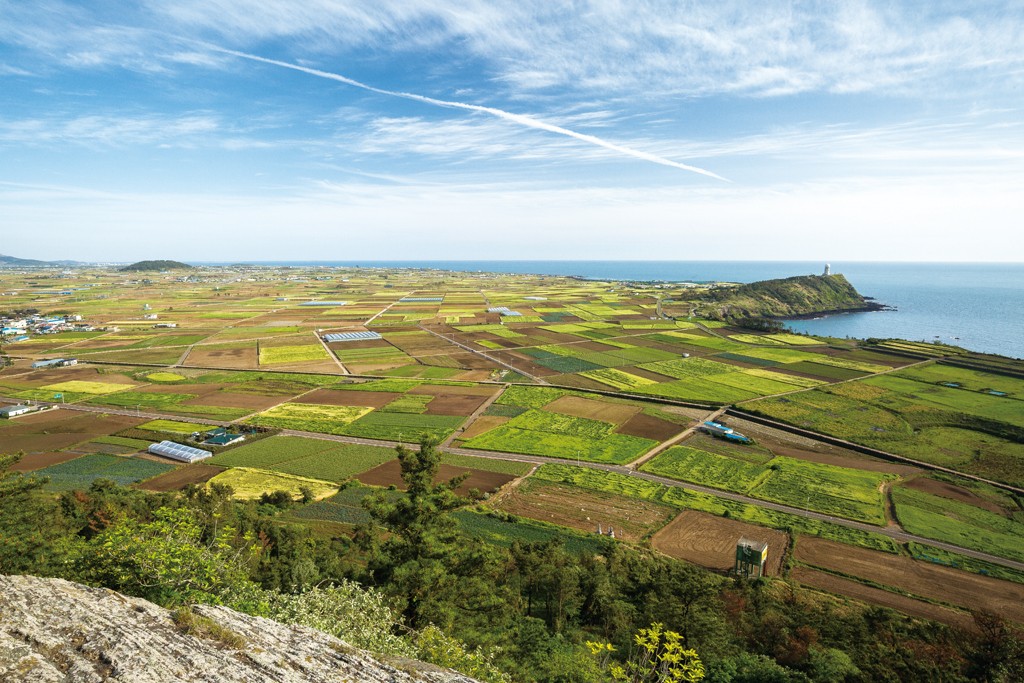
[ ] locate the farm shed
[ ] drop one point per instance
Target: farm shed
(223, 439)
(177, 451)
(13, 411)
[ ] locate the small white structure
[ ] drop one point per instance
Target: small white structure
(828, 269)
(14, 411)
(177, 451)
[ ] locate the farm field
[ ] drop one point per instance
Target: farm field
(911, 412)
(81, 472)
(390, 474)
(578, 508)
(252, 483)
(923, 579)
(248, 349)
(840, 491)
(710, 541)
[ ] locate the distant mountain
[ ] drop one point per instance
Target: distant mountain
(14, 262)
(149, 266)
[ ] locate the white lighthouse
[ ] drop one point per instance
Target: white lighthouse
(828, 270)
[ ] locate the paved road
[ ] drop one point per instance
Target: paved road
(892, 532)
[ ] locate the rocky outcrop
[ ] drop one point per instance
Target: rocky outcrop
(59, 631)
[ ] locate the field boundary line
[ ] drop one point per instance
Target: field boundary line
(468, 422)
(451, 340)
(668, 443)
(330, 353)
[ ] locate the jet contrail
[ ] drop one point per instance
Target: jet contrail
(522, 120)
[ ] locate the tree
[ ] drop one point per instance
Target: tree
(423, 546)
(167, 561)
(30, 531)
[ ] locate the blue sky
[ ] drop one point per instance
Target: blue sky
(327, 129)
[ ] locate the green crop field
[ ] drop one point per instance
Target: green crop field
(696, 389)
(157, 401)
(536, 432)
(271, 355)
(309, 417)
(498, 529)
(81, 472)
(839, 491)
(338, 463)
(344, 507)
(268, 452)
(621, 484)
(532, 397)
(408, 403)
(174, 427)
(401, 426)
(685, 368)
(958, 523)
(617, 379)
(487, 464)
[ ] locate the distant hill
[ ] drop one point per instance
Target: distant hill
(15, 262)
(791, 297)
(149, 266)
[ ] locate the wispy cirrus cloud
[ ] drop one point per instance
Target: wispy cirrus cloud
(110, 130)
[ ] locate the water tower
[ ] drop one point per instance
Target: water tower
(751, 558)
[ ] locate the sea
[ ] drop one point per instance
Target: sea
(979, 306)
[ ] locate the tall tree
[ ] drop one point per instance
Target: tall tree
(423, 559)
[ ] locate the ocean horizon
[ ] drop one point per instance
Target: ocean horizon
(978, 306)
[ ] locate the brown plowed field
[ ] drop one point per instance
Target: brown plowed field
(616, 413)
(877, 596)
(181, 477)
(390, 473)
(710, 541)
(912, 576)
(454, 404)
(53, 430)
(482, 424)
(578, 508)
(37, 461)
(196, 389)
(374, 368)
(650, 427)
(334, 397)
(223, 358)
(952, 492)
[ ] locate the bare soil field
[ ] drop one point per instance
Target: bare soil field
(390, 473)
(650, 427)
(927, 580)
(877, 596)
(454, 404)
(373, 368)
(37, 461)
(952, 492)
(223, 358)
(181, 477)
(56, 429)
(692, 413)
(710, 541)
(78, 373)
(482, 424)
(581, 509)
(334, 397)
(616, 413)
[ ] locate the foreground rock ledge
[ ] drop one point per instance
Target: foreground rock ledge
(56, 630)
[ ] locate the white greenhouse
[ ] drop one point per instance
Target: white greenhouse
(177, 451)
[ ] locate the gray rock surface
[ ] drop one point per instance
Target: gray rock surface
(53, 630)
